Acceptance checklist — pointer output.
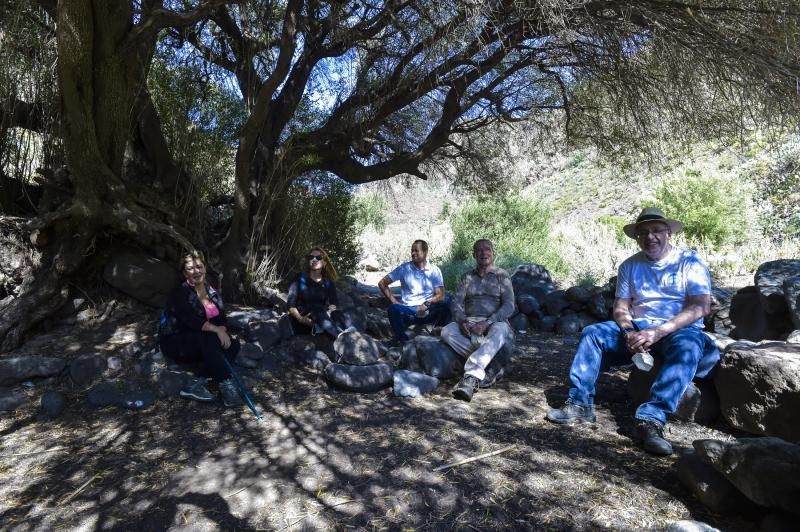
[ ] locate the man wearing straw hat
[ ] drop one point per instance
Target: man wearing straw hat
(662, 294)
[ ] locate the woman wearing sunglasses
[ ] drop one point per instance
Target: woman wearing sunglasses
(312, 297)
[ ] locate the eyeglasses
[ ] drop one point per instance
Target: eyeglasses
(654, 232)
(314, 257)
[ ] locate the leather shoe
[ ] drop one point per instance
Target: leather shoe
(572, 413)
(651, 434)
(466, 388)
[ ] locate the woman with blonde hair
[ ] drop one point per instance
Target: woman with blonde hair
(312, 297)
(193, 328)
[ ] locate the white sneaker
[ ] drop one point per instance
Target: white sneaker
(348, 330)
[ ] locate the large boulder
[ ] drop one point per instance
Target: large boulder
(769, 279)
(437, 358)
(364, 379)
(356, 348)
(532, 279)
(710, 486)
(144, 278)
(749, 319)
(22, 368)
(555, 302)
(759, 388)
(765, 470)
(791, 292)
(699, 403)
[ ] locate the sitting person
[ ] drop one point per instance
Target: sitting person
(193, 329)
(312, 298)
(663, 292)
(484, 300)
(423, 297)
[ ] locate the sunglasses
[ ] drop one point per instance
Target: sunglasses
(314, 257)
(654, 232)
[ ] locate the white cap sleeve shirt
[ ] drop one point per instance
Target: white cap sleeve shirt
(417, 285)
(657, 290)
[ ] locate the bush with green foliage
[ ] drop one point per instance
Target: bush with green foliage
(518, 227)
(369, 212)
(321, 211)
(715, 209)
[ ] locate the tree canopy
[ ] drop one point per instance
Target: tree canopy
(363, 90)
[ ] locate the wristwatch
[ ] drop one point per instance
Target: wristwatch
(490, 322)
(426, 303)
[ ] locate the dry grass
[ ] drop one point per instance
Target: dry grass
(333, 460)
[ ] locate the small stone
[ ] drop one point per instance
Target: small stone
(246, 362)
(114, 364)
(53, 404)
(10, 400)
(411, 384)
(251, 351)
(105, 394)
(316, 359)
(136, 400)
(690, 526)
(356, 348)
(85, 369)
(364, 379)
(171, 382)
(519, 322)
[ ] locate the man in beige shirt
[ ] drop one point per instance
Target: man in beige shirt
(484, 300)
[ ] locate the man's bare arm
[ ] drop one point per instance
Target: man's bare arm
(622, 313)
(694, 308)
(383, 284)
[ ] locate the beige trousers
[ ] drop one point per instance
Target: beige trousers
(477, 359)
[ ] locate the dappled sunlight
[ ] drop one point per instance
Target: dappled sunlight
(330, 459)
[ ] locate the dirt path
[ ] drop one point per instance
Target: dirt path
(328, 459)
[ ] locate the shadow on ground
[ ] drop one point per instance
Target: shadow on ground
(327, 459)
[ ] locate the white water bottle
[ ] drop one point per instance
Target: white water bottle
(644, 360)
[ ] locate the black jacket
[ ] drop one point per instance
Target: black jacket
(185, 313)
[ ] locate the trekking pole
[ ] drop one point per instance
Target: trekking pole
(241, 389)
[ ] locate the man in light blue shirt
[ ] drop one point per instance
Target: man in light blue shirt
(423, 297)
(663, 293)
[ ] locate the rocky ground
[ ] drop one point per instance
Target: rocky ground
(327, 459)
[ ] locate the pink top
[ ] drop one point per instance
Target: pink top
(211, 310)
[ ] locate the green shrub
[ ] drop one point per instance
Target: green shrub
(615, 223)
(712, 208)
(321, 211)
(518, 227)
(369, 212)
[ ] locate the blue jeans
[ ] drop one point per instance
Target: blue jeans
(686, 353)
(401, 316)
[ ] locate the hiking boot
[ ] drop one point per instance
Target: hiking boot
(466, 388)
(571, 413)
(230, 395)
(651, 434)
(197, 391)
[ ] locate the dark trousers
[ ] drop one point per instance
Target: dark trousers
(331, 322)
(401, 316)
(203, 347)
